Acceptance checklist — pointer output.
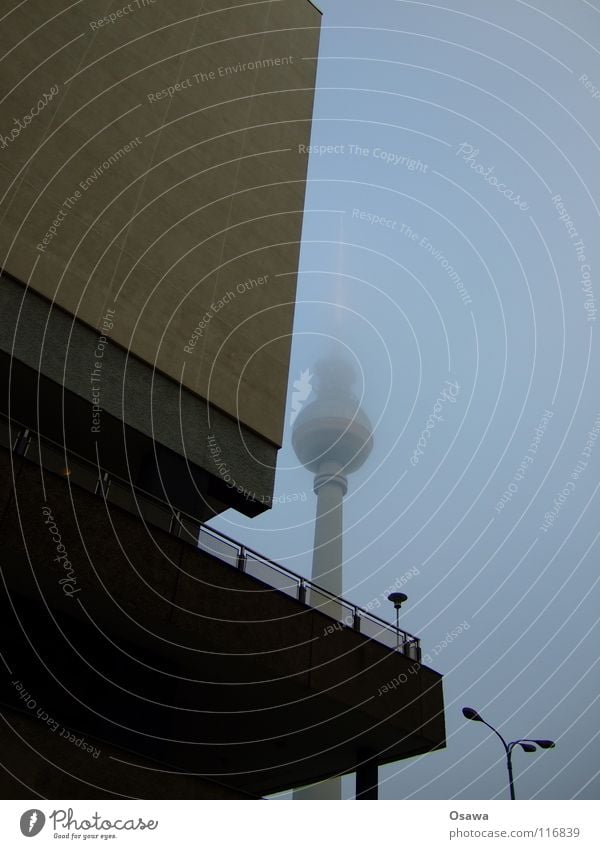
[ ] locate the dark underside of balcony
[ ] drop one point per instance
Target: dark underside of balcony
(190, 678)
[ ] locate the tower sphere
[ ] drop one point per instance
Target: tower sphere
(333, 428)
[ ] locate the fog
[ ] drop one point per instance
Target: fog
(450, 253)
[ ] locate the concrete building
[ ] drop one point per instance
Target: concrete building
(152, 175)
(157, 197)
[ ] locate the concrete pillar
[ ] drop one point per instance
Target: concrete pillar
(367, 780)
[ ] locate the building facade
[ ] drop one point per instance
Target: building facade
(153, 193)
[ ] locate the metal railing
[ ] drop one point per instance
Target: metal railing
(115, 490)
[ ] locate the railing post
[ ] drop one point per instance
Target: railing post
(103, 485)
(402, 643)
(302, 592)
(175, 523)
(356, 621)
(412, 649)
(241, 559)
(22, 443)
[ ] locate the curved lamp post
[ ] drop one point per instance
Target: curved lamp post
(526, 745)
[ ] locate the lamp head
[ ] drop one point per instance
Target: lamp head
(545, 744)
(471, 713)
(397, 599)
(527, 747)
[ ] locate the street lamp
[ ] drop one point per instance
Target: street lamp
(526, 745)
(397, 600)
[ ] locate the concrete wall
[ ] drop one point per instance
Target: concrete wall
(155, 408)
(171, 208)
(54, 764)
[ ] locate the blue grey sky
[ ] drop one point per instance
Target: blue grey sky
(475, 126)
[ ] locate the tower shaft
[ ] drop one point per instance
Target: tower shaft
(330, 488)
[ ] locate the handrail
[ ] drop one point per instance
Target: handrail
(405, 642)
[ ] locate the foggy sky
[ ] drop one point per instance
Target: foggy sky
(429, 110)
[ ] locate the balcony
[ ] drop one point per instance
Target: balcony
(194, 664)
(80, 472)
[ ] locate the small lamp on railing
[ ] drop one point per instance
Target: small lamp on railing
(397, 600)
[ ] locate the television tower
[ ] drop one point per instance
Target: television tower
(332, 437)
